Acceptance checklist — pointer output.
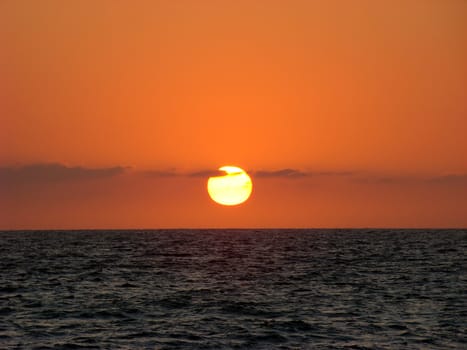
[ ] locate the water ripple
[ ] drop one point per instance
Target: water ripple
(233, 289)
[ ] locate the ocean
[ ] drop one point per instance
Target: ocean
(234, 289)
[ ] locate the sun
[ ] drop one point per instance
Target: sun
(231, 189)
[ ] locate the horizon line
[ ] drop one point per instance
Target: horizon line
(232, 228)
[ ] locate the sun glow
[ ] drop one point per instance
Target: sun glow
(231, 189)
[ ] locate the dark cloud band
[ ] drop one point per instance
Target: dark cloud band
(54, 172)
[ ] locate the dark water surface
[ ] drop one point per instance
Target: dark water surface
(242, 289)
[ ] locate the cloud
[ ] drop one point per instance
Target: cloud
(54, 172)
(296, 173)
(361, 177)
(175, 173)
(450, 179)
(383, 179)
(44, 174)
(205, 173)
(280, 173)
(285, 173)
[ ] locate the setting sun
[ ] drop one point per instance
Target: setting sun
(231, 189)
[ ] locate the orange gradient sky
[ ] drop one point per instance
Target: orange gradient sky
(346, 113)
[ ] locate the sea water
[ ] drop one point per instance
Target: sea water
(234, 289)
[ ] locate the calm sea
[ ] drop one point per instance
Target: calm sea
(234, 289)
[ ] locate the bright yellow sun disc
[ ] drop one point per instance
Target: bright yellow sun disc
(231, 189)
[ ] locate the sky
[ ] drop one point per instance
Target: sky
(345, 113)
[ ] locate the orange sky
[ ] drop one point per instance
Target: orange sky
(365, 102)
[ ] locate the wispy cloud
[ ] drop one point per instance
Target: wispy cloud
(297, 173)
(287, 173)
(43, 173)
(450, 179)
(54, 172)
(176, 173)
(205, 173)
